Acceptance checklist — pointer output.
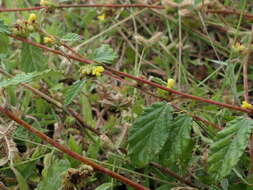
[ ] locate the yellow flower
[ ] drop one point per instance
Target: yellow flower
(91, 70)
(49, 40)
(101, 17)
(170, 83)
(86, 70)
(247, 105)
(97, 70)
(238, 47)
(32, 18)
(44, 3)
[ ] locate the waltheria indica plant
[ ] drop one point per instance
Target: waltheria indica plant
(128, 96)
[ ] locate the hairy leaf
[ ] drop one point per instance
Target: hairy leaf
(75, 147)
(73, 91)
(179, 142)
(71, 37)
(22, 78)
(104, 54)
(228, 147)
(32, 59)
(4, 28)
(52, 173)
(149, 133)
(21, 180)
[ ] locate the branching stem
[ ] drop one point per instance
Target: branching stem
(138, 79)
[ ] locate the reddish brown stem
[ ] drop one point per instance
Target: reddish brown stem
(172, 174)
(85, 6)
(122, 74)
(225, 11)
(179, 93)
(71, 153)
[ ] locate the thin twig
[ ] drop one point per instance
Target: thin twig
(71, 153)
(172, 174)
(85, 6)
(138, 79)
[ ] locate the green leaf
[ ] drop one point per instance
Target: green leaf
(72, 91)
(75, 147)
(104, 186)
(179, 142)
(52, 173)
(149, 133)
(104, 54)
(71, 37)
(228, 147)
(4, 41)
(22, 78)
(4, 28)
(21, 180)
(159, 81)
(32, 59)
(87, 110)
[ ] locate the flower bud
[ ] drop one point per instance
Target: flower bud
(32, 18)
(170, 83)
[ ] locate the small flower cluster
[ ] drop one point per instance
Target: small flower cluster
(238, 47)
(24, 27)
(32, 18)
(101, 17)
(247, 105)
(92, 70)
(97, 70)
(49, 40)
